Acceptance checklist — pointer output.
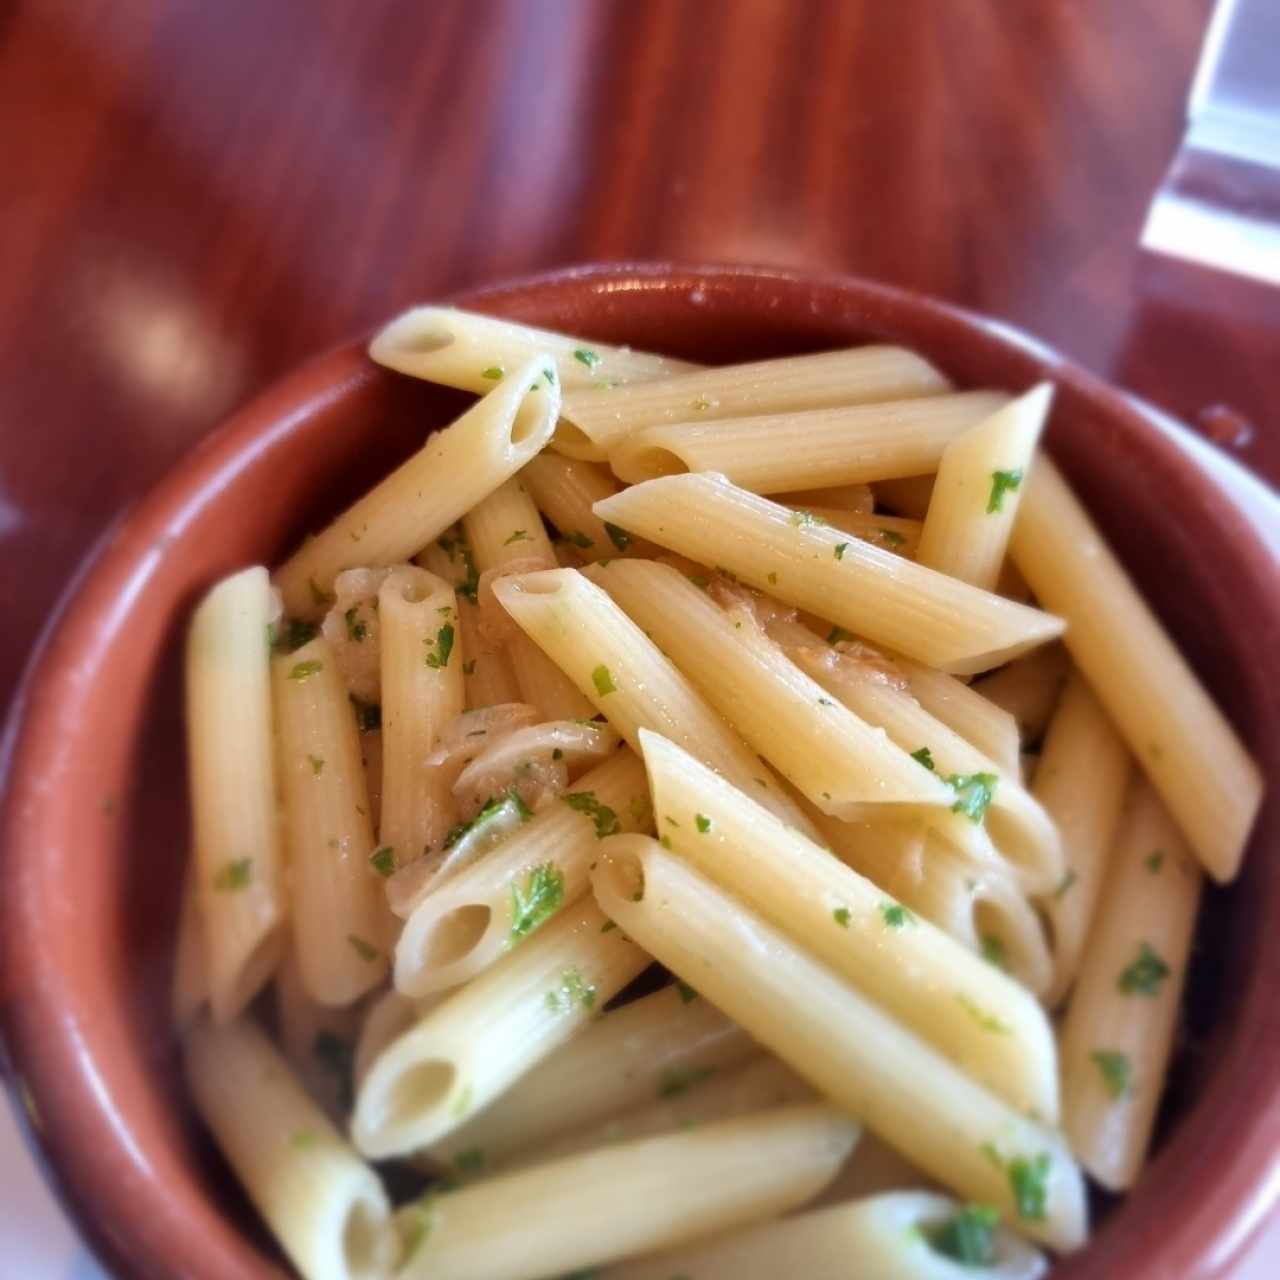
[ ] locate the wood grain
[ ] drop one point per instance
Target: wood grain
(195, 196)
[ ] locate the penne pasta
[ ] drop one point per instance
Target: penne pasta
(891, 533)
(849, 499)
(472, 1047)
(685, 1102)
(472, 352)
(600, 420)
(566, 490)
(844, 1044)
(323, 1204)
(1118, 1031)
(237, 856)
(839, 762)
(486, 670)
(635, 1197)
(1179, 737)
(629, 680)
(899, 1235)
(1081, 780)
(340, 917)
(914, 971)
(978, 488)
(461, 928)
(925, 615)
(980, 906)
(622, 1061)
(789, 451)
(986, 727)
(985, 799)
(422, 691)
(873, 1167)
(505, 532)
(418, 501)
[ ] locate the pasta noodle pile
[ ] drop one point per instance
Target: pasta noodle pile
(804, 692)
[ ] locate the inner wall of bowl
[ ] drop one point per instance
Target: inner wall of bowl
(334, 453)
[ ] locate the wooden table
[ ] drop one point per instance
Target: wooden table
(195, 195)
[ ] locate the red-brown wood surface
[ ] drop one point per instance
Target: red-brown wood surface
(194, 196)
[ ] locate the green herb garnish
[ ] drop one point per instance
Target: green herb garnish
(1028, 1179)
(1064, 885)
(572, 990)
(1144, 976)
(579, 540)
(383, 860)
(233, 875)
(702, 822)
(987, 1021)
(968, 1236)
(534, 903)
(1002, 482)
(493, 372)
(305, 670)
(676, 1080)
(603, 680)
(687, 993)
(437, 656)
(994, 951)
(619, 537)
(367, 952)
(606, 819)
(1154, 861)
(925, 757)
(896, 915)
(1116, 1069)
(841, 916)
(802, 519)
(839, 549)
(583, 356)
(973, 793)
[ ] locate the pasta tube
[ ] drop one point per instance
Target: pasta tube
(634, 1197)
(469, 1049)
(986, 727)
(323, 1204)
(1182, 741)
(565, 490)
(969, 1011)
(927, 616)
(239, 876)
(978, 488)
(602, 419)
(795, 451)
(420, 499)
(844, 1044)
(1118, 1031)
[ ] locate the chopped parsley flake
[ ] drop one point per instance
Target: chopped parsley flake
(825, 702)
(968, 1236)
(805, 519)
(316, 763)
(437, 657)
(973, 793)
(301, 1139)
(534, 903)
(994, 951)
(469, 1161)
(839, 549)
(619, 537)
(493, 372)
(987, 1021)
(1144, 976)
(606, 819)
(1154, 861)
(687, 994)
(518, 536)
(584, 356)
(702, 404)
(368, 714)
(665, 842)
(641, 809)
(356, 630)
(1002, 482)
(896, 915)
(838, 634)
(233, 875)
(305, 670)
(573, 989)
(677, 1080)
(383, 860)
(1116, 1069)
(702, 822)
(841, 916)
(1028, 1179)
(363, 949)
(925, 757)
(491, 809)
(1064, 885)
(603, 680)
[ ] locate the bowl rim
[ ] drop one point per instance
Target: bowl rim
(122, 560)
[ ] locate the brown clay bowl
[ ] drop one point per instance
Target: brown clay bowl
(93, 829)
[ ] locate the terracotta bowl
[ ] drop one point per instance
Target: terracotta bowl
(94, 823)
